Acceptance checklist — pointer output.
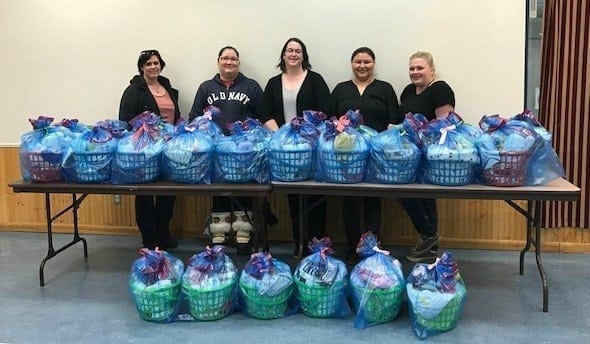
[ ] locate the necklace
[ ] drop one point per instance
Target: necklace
(157, 90)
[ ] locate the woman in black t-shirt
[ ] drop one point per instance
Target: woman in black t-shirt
(434, 99)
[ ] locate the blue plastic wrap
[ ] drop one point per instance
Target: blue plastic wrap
(451, 157)
(436, 295)
(117, 128)
(137, 159)
(513, 154)
(343, 154)
(210, 284)
(206, 122)
(242, 157)
(377, 284)
(317, 118)
(89, 157)
(41, 150)
(154, 285)
(187, 157)
(292, 151)
(321, 282)
(266, 287)
(356, 121)
(394, 157)
(74, 126)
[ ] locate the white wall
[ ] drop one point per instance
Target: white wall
(73, 58)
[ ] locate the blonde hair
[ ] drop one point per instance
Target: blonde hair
(426, 56)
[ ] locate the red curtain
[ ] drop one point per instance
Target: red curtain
(565, 102)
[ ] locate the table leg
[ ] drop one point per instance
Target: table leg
(51, 251)
(537, 227)
(302, 224)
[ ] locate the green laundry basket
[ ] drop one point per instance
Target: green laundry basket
(381, 305)
(157, 305)
(211, 304)
(265, 306)
(320, 301)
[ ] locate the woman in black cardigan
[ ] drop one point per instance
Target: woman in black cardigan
(286, 96)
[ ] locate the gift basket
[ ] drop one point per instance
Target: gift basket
(137, 158)
(242, 156)
(41, 150)
(377, 284)
(394, 157)
(451, 157)
(155, 285)
(291, 152)
(89, 156)
(321, 282)
(436, 294)
(544, 164)
(342, 153)
(187, 156)
(210, 284)
(505, 149)
(266, 285)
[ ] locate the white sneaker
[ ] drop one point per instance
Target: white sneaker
(242, 225)
(219, 227)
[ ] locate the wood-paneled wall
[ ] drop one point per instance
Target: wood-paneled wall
(463, 223)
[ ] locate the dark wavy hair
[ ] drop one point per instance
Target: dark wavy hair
(362, 50)
(145, 55)
(304, 64)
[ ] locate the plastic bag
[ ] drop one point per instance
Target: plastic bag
(451, 157)
(266, 288)
(187, 157)
(89, 157)
(317, 118)
(377, 284)
(41, 150)
(436, 295)
(394, 157)
(137, 159)
(342, 153)
(242, 157)
(321, 282)
(206, 122)
(210, 284)
(154, 285)
(292, 151)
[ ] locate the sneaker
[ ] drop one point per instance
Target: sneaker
(167, 242)
(425, 243)
(428, 256)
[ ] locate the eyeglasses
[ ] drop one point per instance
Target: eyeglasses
(149, 52)
(297, 51)
(228, 59)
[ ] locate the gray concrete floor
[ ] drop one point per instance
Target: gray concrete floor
(87, 300)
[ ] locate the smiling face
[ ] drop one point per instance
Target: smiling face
(151, 68)
(421, 72)
(228, 63)
(293, 55)
(362, 66)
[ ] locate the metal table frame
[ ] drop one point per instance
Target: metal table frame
(557, 190)
(260, 192)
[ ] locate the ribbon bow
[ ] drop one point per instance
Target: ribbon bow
(491, 123)
(321, 246)
(314, 117)
(444, 131)
(42, 122)
(260, 263)
(211, 260)
(153, 266)
(211, 112)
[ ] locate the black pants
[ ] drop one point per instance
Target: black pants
(224, 204)
(423, 213)
(153, 215)
(352, 208)
(316, 219)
